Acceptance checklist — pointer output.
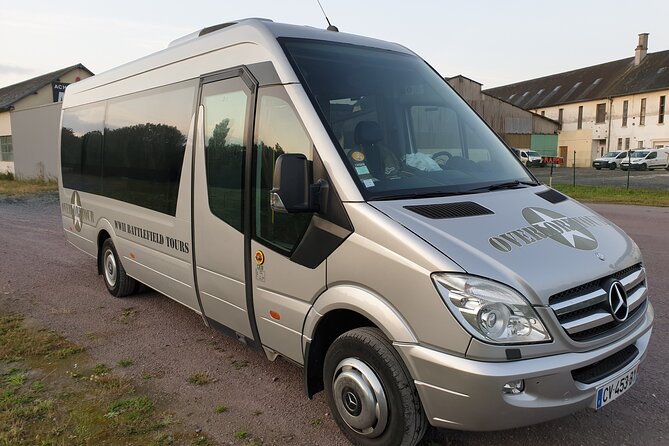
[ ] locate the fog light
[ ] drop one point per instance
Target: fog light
(514, 387)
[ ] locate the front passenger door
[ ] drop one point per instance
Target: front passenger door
(283, 290)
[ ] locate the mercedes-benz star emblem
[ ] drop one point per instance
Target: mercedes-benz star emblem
(618, 301)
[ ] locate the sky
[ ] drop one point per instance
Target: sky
(493, 42)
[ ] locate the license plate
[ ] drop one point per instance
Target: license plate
(616, 387)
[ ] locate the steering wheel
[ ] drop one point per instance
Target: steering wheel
(438, 157)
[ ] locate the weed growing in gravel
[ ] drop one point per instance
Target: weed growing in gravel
(16, 377)
(221, 409)
(201, 441)
(241, 435)
(239, 364)
(199, 379)
(257, 413)
(100, 369)
(316, 422)
(125, 363)
(128, 314)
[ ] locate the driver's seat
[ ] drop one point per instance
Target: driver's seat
(380, 160)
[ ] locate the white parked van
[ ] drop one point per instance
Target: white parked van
(647, 159)
(611, 160)
(329, 198)
(530, 158)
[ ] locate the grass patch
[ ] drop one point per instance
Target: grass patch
(199, 379)
(13, 188)
(616, 195)
(221, 409)
(45, 401)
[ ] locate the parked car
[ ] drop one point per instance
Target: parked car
(529, 157)
(611, 160)
(647, 159)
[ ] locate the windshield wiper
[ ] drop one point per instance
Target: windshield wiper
(506, 185)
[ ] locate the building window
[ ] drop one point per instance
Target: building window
(625, 108)
(560, 117)
(620, 143)
(579, 126)
(640, 146)
(660, 115)
(600, 117)
(6, 153)
(627, 143)
(642, 114)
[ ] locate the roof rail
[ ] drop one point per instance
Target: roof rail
(210, 29)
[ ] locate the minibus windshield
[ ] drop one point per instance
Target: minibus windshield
(401, 129)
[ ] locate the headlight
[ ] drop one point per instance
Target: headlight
(489, 310)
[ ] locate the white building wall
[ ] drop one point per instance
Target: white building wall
(35, 141)
(592, 140)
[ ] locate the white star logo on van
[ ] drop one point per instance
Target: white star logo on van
(75, 201)
(570, 236)
(565, 230)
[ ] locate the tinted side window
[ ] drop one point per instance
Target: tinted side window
(145, 140)
(278, 131)
(225, 110)
(81, 148)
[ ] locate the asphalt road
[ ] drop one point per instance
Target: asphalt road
(51, 282)
(654, 179)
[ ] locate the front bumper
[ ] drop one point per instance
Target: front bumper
(459, 393)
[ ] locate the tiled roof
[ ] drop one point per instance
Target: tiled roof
(13, 93)
(617, 78)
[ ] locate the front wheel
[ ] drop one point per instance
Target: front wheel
(118, 283)
(612, 166)
(370, 392)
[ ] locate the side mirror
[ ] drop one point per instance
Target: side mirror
(293, 189)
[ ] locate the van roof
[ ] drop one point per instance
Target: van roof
(255, 31)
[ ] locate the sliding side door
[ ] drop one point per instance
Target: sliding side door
(224, 116)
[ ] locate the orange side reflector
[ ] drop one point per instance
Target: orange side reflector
(132, 255)
(275, 315)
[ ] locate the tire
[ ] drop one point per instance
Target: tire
(643, 167)
(363, 361)
(118, 283)
(612, 166)
(598, 168)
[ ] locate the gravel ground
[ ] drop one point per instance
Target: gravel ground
(51, 282)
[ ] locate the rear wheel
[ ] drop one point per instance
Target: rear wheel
(118, 283)
(370, 392)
